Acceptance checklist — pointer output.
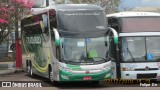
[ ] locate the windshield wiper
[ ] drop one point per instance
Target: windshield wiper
(106, 59)
(131, 54)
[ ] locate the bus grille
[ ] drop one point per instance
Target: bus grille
(148, 75)
(142, 69)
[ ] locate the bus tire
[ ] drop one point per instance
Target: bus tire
(29, 69)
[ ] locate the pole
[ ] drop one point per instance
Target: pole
(18, 47)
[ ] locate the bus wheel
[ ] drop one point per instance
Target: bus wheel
(29, 69)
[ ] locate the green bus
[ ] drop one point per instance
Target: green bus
(67, 42)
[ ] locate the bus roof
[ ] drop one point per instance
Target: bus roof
(78, 7)
(133, 14)
(67, 7)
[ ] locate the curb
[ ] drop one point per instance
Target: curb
(10, 71)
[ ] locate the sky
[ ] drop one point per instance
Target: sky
(139, 3)
(132, 3)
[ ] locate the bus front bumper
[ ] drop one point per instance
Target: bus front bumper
(141, 74)
(68, 76)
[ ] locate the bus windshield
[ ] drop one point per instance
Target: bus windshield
(81, 20)
(85, 49)
(141, 24)
(141, 49)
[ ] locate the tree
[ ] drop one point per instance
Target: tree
(110, 6)
(11, 11)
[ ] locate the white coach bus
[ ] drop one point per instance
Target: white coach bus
(137, 54)
(67, 42)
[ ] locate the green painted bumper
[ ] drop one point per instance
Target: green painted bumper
(67, 76)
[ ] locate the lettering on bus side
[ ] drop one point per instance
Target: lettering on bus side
(33, 40)
(129, 65)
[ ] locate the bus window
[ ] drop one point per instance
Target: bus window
(113, 22)
(73, 49)
(153, 48)
(133, 48)
(143, 24)
(52, 18)
(84, 50)
(45, 24)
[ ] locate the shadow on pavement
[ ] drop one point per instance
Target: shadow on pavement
(69, 85)
(85, 84)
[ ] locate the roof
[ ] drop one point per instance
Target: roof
(131, 14)
(147, 9)
(67, 7)
(78, 7)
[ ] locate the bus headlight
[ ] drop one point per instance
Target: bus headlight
(64, 68)
(106, 67)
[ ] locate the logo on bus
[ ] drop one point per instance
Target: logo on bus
(146, 68)
(33, 40)
(87, 72)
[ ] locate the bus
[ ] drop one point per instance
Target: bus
(67, 42)
(137, 54)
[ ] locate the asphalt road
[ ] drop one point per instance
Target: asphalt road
(40, 81)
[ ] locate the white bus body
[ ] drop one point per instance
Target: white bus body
(138, 51)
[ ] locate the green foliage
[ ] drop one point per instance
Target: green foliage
(11, 11)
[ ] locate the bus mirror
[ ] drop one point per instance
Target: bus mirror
(115, 35)
(115, 40)
(57, 38)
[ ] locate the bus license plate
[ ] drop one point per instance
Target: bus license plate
(87, 78)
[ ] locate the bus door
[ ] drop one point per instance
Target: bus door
(113, 60)
(113, 22)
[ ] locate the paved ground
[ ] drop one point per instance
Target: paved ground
(6, 71)
(67, 86)
(7, 68)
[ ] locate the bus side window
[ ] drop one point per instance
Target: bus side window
(113, 22)
(52, 18)
(45, 22)
(53, 23)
